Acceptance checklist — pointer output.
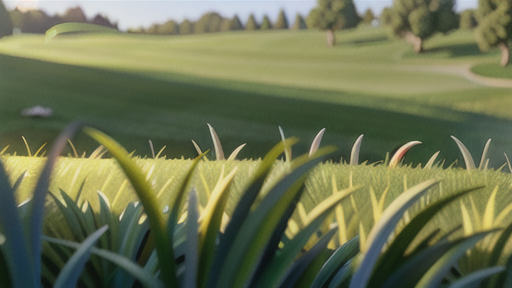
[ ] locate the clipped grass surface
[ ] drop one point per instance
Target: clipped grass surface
(493, 70)
(137, 87)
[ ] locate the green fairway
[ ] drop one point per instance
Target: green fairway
(246, 84)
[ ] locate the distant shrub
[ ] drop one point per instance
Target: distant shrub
(251, 23)
(186, 27)
(265, 24)
(282, 21)
(208, 23)
(299, 23)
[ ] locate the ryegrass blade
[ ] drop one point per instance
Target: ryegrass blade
(379, 234)
(354, 155)
(163, 242)
(39, 150)
(37, 204)
(120, 261)
(400, 153)
(235, 152)
(288, 149)
(431, 160)
(17, 184)
(327, 204)
(433, 277)
(73, 148)
(152, 148)
(68, 276)
(342, 275)
(160, 152)
(96, 153)
(15, 248)
(192, 244)
(466, 220)
(5, 149)
(468, 159)
(488, 219)
(340, 257)
(198, 149)
(316, 142)
(476, 277)
(497, 250)
(219, 153)
(26, 145)
(506, 157)
(484, 155)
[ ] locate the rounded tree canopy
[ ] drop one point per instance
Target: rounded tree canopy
(333, 15)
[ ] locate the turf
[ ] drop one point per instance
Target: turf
(246, 84)
(493, 70)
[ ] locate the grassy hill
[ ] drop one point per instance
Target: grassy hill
(245, 84)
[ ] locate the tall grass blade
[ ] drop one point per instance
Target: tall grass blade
(96, 153)
(68, 276)
(379, 234)
(15, 248)
(160, 152)
(316, 142)
(508, 162)
(73, 148)
(468, 159)
(476, 277)
(484, 158)
(192, 246)
(198, 149)
(435, 274)
(152, 148)
(37, 204)
(400, 153)
(162, 239)
(354, 155)
(39, 150)
(219, 153)
(430, 162)
(287, 150)
(235, 152)
(26, 146)
(5, 149)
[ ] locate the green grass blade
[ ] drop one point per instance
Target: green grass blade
(474, 278)
(436, 273)
(500, 245)
(17, 184)
(299, 272)
(192, 244)
(68, 276)
(394, 254)
(144, 191)
(73, 27)
(468, 159)
(122, 262)
(380, 232)
(339, 258)
(36, 209)
(484, 155)
(354, 155)
(342, 275)
(288, 149)
(316, 142)
(15, 248)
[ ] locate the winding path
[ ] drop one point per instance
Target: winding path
(465, 71)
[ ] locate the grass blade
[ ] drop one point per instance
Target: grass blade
(484, 155)
(219, 153)
(471, 279)
(400, 153)
(431, 161)
(198, 149)
(380, 232)
(163, 242)
(508, 162)
(316, 142)
(192, 253)
(468, 159)
(288, 149)
(68, 276)
(354, 155)
(152, 148)
(235, 152)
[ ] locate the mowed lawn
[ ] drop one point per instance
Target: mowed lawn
(245, 84)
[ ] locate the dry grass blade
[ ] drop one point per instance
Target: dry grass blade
(219, 153)
(235, 152)
(316, 142)
(73, 148)
(400, 153)
(5, 149)
(152, 148)
(287, 149)
(354, 155)
(508, 162)
(26, 145)
(198, 149)
(468, 159)
(430, 162)
(96, 153)
(484, 158)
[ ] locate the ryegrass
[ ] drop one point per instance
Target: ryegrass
(246, 84)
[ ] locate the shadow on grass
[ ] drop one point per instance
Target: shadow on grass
(450, 51)
(133, 108)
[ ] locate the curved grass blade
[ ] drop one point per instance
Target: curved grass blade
(15, 248)
(121, 261)
(5, 149)
(96, 153)
(73, 148)
(508, 162)
(339, 258)
(198, 149)
(354, 155)
(468, 159)
(500, 245)
(484, 155)
(435, 274)
(36, 208)
(26, 146)
(287, 150)
(472, 279)
(192, 246)
(39, 150)
(235, 152)
(380, 232)
(342, 275)
(160, 152)
(431, 161)
(163, 240)
(316, 142)
(400, 153)
(68, 276)
(219, 153)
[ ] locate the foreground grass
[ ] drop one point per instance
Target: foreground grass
(246, 84)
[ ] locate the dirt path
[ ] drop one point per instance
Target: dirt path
(465, 71)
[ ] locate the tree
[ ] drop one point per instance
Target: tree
(386, 17)
(468, 19)
(368, 17)
(74, 15)
(332, 15)
(5, 21)
(495, 27)
(208, 23)
(232, 24)
(186, 27)
(103, 21)
(416, 20)
(265, 24)
(251, 23)
(282, 21)
(299, 23)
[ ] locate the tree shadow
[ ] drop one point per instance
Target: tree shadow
(455, 51)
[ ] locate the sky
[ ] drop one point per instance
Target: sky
(142, 13)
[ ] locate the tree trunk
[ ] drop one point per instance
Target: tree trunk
(331, 40)
(416, 41)
(505, 55)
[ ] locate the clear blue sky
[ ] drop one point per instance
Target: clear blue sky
(131, 13)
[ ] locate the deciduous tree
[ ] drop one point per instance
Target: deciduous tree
(368, 16)
(468, 19)
(495, 27)
(332, 15)
(208, 23)
(186, 27)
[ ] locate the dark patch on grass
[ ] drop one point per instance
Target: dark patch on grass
(493, 70)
